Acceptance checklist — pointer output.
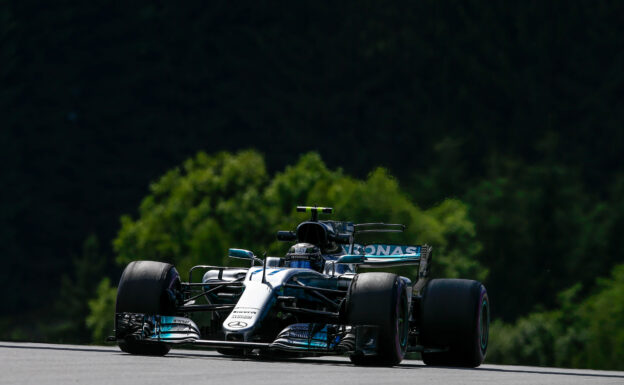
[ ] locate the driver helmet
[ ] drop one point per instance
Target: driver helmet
(305, 255)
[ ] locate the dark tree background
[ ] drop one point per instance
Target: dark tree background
(516, 108)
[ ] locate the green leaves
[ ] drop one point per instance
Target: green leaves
(102, 311)
(183, 219)
(195, 212)
(582, 333)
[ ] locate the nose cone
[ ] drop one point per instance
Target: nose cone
(241, 320)
(250, 309)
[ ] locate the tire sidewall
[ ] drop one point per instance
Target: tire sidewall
(401, 306)
(460, 327)
(482, 324)
(385, 306)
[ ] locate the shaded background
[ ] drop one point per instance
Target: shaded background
(516, 109)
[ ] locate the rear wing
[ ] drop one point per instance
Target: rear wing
(378, 255)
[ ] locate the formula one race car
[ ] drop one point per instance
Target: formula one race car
(314, 301)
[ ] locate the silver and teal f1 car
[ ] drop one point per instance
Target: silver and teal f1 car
(316, 300)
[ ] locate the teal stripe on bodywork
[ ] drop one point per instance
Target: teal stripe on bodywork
(351, 258)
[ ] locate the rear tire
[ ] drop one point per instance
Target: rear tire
(150, 288)
(455, 316)
(380, 299)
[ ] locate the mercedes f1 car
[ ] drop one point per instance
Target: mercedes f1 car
(316, 300)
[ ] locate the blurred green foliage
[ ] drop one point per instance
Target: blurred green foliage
(541, 224)
(77, 288)
(63, 320)
(102, 311)
(585, 332)
(194, 213)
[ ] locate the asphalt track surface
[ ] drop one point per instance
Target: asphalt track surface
(43, 364)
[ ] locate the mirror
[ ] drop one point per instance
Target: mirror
(241, 254)
(244, 254)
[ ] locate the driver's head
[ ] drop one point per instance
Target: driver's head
(305, 255)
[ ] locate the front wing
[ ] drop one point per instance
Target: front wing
(312, 338)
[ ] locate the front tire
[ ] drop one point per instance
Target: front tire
(147, 287)
(380, 299)
(455, 315)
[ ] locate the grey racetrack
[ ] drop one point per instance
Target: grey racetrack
(28, 363)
